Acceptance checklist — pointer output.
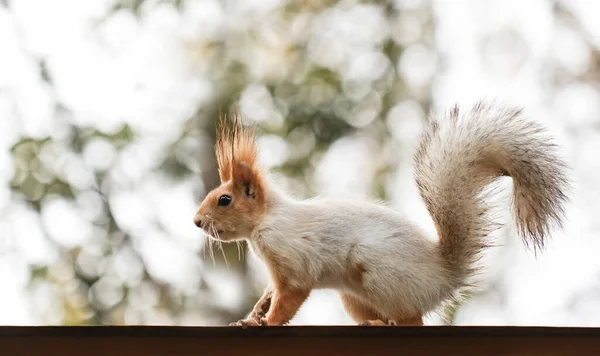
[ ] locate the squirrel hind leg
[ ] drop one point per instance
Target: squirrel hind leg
(416, 320)
(363, 313)
(366, 315)
(358, 309)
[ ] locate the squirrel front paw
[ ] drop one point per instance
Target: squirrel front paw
(245, 323)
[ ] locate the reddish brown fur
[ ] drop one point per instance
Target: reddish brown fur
(263, 305)
(235, 145)
(360, 310)
(357, 309)
(286, 302)
(286, 299)
(240, 178)
(356, 272)
(414, 320)
(279, 274)
(356, 268)
(281, 301)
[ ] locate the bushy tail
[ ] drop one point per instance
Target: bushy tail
(462, 154)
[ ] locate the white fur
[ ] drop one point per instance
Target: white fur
(403, 272)
(326, 243)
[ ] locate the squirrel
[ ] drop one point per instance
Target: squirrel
(385, 268)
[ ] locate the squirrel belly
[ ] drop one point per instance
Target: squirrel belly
(387, 270)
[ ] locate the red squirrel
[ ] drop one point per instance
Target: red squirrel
(384, 267)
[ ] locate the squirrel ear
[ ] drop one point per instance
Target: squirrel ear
(245, 179)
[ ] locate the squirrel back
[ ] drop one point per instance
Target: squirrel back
(461, 155)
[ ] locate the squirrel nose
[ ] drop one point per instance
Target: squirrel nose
(198, 221)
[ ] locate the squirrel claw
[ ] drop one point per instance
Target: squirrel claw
(246, 323)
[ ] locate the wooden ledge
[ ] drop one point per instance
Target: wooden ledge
(298, 340)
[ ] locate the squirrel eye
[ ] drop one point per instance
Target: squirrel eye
(224, 200)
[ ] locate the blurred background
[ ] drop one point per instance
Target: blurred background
(107, 117)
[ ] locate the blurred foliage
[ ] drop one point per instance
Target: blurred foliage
(306, 77)
(312, 99)
(312, 103)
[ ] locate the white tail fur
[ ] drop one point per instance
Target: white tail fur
(466, 151)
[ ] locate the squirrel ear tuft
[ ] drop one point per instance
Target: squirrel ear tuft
(245, 179)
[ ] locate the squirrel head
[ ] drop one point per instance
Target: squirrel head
(233, 209)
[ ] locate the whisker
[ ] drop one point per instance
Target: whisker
(206, 243)
(237, 244)
(223, 253)
(203, 248)
(211, 242)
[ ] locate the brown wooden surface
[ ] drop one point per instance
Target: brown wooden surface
(298, 340)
